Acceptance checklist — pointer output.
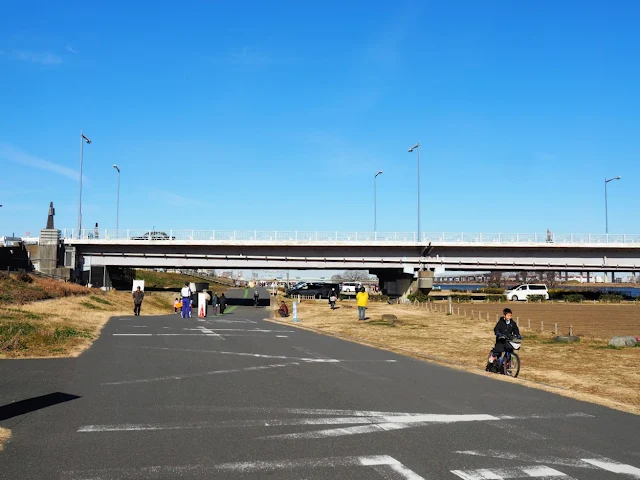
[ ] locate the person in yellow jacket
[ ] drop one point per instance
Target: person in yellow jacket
(362, 297)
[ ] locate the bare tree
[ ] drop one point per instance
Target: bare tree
(352, 276)
(523, 276)
(552, 279)
(495, 279)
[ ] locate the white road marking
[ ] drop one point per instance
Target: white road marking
(536, 471)
(391, 468)
(260, 355)
(132, 334)
(202, 374)
(282, 336)
(384, 421)
(523, 457)
(613, 466)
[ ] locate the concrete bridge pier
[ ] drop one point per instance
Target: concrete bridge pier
(400, 283)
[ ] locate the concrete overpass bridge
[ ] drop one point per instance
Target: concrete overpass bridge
(394, 257)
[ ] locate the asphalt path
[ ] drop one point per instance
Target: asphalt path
(233, 396)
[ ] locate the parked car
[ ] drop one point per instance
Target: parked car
(523, 292)
(154, 236)
(317, 290)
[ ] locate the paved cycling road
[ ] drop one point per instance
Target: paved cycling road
(235, 397)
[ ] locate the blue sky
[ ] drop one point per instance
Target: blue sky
(276, 115)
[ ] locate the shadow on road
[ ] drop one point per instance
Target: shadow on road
(32, 404)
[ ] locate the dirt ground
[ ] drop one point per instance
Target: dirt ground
(587, 319)
(589, 370)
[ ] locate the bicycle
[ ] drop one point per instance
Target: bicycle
(509, 362)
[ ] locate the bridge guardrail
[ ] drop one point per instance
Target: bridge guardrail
(346, 237)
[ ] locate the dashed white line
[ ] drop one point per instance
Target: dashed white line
(132, 334)
(273, 357)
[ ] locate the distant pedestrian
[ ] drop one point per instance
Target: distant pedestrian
(549, 236)
(185, 293)
(362, 298)
(215, 303)
(176, 305)
(256, 298)
(223, 303)
(138, 296)
(333, 298)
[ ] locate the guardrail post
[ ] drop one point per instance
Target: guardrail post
(414, 237)
(624, 238)
(296, 235)
(589, 238)
(128, 234)
(499, 238)
(571, 238)
(191, 234)
(316, 236)
(275, 236)
(213, 235)
(234, 235)
(517, 238)
(356, 236)
(255, 234)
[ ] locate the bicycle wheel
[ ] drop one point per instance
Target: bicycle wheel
(511, 366)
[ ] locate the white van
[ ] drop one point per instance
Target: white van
(523, 292)
(350, 287)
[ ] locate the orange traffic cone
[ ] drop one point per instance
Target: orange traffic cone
(201, 313)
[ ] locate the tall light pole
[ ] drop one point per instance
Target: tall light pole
(83, 139)
(118, 200)
(606, 208)
(375, 205)
(417, 145)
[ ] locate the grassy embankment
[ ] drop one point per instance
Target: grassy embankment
(45, 318)
(166, 280)
(590, 370)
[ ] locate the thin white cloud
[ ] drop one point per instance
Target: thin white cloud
(15, 155)
(71, 49)
(40, 58)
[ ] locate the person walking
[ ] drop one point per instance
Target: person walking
(215, 302)
(176, 305)
(362, 298)
(185, 293)
(138, 296)
(223, 303)
(256, 298)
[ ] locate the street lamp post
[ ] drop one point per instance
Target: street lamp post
(375, 204)
(417, 145)
(118, 201)
(83, 139)
(606, 208)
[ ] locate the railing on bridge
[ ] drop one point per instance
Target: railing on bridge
(350, 237)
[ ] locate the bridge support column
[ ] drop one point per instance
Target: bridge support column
(397, 283)
(588, 277)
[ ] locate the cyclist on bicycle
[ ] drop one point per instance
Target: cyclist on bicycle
(505, 328)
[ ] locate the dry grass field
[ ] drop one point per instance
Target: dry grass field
(589, 370)
(5, 435)
(600, 320)
(65, 327)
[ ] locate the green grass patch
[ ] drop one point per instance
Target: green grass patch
(100, 300)
(69, 332)
(10, 330)
(90, 305)
(380, 323)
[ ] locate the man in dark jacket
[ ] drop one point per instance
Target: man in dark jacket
(505, 328)
(223, 303)
(138, 296)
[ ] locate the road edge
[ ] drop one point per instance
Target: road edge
(441, 361)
